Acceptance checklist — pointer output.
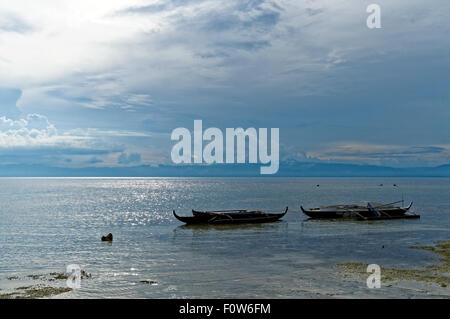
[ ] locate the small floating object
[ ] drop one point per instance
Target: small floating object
(317, 185)
(395, 185)
(381, 184)
(230, 217)
(108, 237)
(150, 282)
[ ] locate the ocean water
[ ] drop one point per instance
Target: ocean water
(47, 224)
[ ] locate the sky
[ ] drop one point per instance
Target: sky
(103, 83)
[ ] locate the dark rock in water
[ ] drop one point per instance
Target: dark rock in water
(108, 237)
(58, 276)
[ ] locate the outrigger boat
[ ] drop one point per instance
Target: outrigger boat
(230, 217)
(373, 211)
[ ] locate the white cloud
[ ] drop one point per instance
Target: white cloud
(33, 131)
(34, 139)
(198, 43)
(395, 155)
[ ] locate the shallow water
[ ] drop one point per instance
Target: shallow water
(47, 224)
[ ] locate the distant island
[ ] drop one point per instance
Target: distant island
(287, 169)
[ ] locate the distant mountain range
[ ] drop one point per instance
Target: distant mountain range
(287, 169)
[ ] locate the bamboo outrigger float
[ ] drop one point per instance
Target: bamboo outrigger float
(230, 217)
(373, 211)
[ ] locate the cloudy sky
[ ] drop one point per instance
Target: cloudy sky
(104, 83)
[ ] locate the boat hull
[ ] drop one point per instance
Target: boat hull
(229, 218)
(358, 212)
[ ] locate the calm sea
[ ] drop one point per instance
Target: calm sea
(47, 224)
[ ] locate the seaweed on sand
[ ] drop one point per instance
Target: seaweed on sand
(32, 292)
(431, 274)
